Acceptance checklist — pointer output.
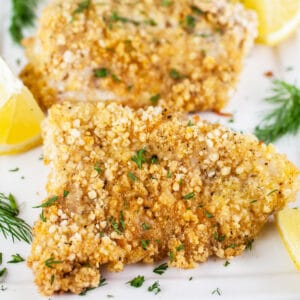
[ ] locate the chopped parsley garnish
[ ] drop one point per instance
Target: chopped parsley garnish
(101, 73)
(154, 159)
(102, 282)
(137, 281)
(179, 248)
(171, 256)
(166, 2)
(227, 263)
(150, 22)
(114, 18)
(51, 261)
(155, 287)
(132, 176)
(82, 6)
(2, 272)
(145, 226)
(208, 215)
(115, 225)
(48, 203)
(190, 123)
(154, 99)
(190, 22)
(253, 201)
(189, 196)
(16, 258)
(66, 193)
(1, 258)
(174, 74)
(232, 246)
(191, 278)
(196, 10)
(249, 244)
(52, 279)
(14, 170)
(161, 269)
(217, 291)
(139, 157)
(42, 216)
(169, 174)
(145, 244)
(219, 238)
(115, 78)
(97, 167)
(122, 221)
(272, 192)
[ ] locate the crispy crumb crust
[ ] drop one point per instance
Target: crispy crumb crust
(140, 43)
(209, 192)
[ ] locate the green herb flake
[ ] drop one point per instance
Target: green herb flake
(171, 256)
(145, 244)
(16, 258)
(122, 221)
(14, 170)
(189, 196)
(139, 157)
(132, 176)
(166, 3)
(219, 238)
(190, 123)
(42, 216)
(179, 248)
(208, 215)
(232, 246)
(1, 258)
(253, 201)
(115, 225)
(101, 73)
(154, 159)
(137, 281)
(51, 261)
(249, 244)
(174, 74)
(155, 287)
(145, 226)
(161, 269)
(66, 193)
(227, 263)
(272, 192)
(169, 174)
(191, 278)
(82, 6)
(51, 201)
(52, 279)
(2, 272)
(217, 291)
(190, 22)
(196, 10)
(154, 99)
(97, 168)
(115, 78)
(150, 22)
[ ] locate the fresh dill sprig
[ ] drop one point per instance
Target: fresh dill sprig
(23, 15)
(10, 224)
(285, 118)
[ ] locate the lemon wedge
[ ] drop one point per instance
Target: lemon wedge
(20, 115)
(288, 225)
(278, 19)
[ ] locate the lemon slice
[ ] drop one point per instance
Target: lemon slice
(20, 115)
(278, 19)
(288, 225)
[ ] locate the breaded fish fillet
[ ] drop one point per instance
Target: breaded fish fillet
(187, 53)
(128, 186)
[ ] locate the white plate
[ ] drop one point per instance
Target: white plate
(266, 272)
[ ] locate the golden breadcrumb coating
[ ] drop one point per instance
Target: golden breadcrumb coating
(187, 54)
(148, 184)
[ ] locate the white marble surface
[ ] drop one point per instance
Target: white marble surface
(264, 273)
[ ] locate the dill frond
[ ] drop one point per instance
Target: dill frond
(285, 117)
(10, 224)
(23, 15)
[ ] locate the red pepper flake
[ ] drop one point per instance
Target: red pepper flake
(223, 114)
(269, 74)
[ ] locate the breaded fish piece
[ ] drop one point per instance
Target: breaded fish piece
(187, 54)
(128, 186)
